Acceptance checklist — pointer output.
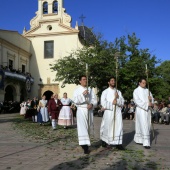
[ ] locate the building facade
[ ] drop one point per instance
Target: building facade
(15, 57)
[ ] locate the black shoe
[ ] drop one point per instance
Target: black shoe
(147, 147)
(104, 144)
(85, 148)
(139, 143)
(120, 147)
(166, 123)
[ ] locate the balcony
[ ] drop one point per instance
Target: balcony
(16, 74)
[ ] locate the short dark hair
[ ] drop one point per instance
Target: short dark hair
(80, 77)
(140, 79)
(112, 77)
(65, 93)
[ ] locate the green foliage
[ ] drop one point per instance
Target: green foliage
(161, 83)
(101, 60)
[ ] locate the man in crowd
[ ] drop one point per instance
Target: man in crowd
(34, 105)
(111, 131)
(143, 100)
(54, 107)
(85, 101)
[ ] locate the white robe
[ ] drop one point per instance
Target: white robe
(107, 126)
(142, 116)
(82, 113)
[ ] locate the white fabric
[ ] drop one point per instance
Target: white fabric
(43, 110)
(107, 132)
(23, 108)
(142, 116)
(54, 124)
(65, 112)
(34, 118)
(82, 113)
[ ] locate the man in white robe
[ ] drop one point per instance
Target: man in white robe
(85, 101)
(111, 131)
(143, 100)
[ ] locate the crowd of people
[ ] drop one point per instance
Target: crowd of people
(160, 111)
(9, 107)
(56, 111)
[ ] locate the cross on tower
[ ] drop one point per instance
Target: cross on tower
(82, 17)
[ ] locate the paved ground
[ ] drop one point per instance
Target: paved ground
(18, 152)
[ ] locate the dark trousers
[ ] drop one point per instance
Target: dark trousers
(156, 116)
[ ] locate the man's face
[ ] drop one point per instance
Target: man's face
(112, 82)
(83, 81)
(55, 96)
(142, 83)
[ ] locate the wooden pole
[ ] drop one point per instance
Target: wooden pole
(147, 76)
(87, 100)
(114, 125)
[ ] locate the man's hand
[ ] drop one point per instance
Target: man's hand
(150, 104)
(90, 106)
(116, 95)
(150, 98)
(115, 101)
(85, 92)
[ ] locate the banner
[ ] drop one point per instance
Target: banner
(28, 84)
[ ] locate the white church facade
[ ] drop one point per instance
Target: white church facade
(49, 38)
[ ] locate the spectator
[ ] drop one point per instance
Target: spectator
(131, 111)
(156, 114)
(163, 113)
(125, 110)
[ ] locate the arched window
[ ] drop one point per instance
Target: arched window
(45, 8)
(55, 7)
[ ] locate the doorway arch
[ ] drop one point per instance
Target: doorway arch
(48, 94)
(10, 93)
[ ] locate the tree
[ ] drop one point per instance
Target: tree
(162, 81)
(100, 58)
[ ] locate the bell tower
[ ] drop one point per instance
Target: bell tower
(50, 11)
(50, 7)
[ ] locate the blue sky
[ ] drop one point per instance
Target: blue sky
(149, 19)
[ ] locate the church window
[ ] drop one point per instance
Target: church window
(55, 7)
(10, 64)
(45, 8)
(48, 49)
(23, 68)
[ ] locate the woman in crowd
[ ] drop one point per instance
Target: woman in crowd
(66, 116)
(43, 116)
(23, 108)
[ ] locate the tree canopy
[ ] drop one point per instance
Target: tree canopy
(101, 61)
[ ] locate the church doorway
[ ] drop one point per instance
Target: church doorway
(48, 94)
(9, 93)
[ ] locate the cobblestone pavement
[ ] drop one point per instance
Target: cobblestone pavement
(23, 153)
